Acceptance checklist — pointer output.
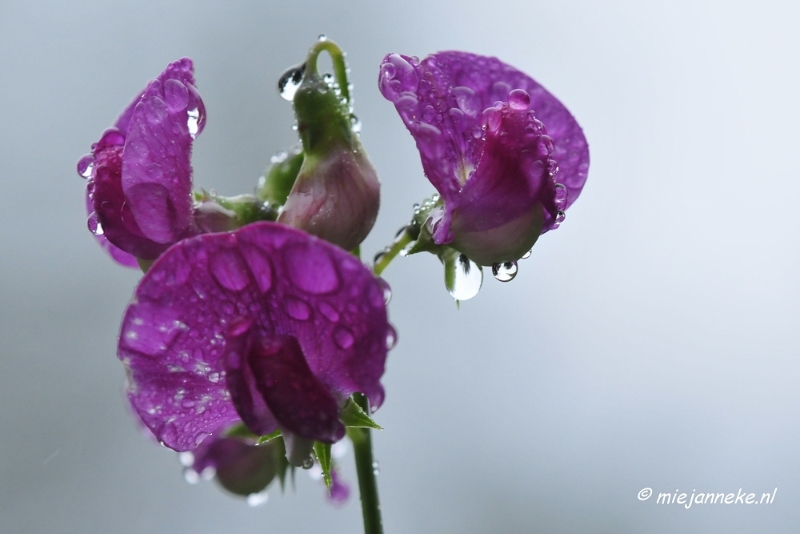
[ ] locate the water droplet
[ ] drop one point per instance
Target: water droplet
(257, 499)
(379, 256)
(376, 469)
(229, 270)
(505, 272)
(193, 122)
(308, 463)
(85, 166)
(527, 254)
(387, 290)
(467, 280)
(94, 224)
(322, 37)
(290, 80)
(560, 196)
(328, 311)
(355, 124)
(176, 95)
(391, 337)
(191, 476)
(297, 309)
(560, 215)
(186, 458)
(343, 338)
(519, 100)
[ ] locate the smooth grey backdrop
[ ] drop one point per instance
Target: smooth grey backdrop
(650, 342)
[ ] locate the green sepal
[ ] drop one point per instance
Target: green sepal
(323, 453)
(353, 416)
(276, 184)
(269, 437)
(239, 431)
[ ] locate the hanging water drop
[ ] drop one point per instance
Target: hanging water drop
(257, 499)
(85, 166)
(191, 476)
(560, 215)
(290, 80)
(467, 278)
(505, 272)
(94, 224)
(560, 197)
(391, 337)
(527, 254)
(308, 463)
(355, 124)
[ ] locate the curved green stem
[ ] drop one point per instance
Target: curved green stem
(400, 242)
(339, 66)
(367, 471)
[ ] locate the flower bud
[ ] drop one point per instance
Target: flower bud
(337, 194)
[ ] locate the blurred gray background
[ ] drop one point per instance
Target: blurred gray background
(652, 341)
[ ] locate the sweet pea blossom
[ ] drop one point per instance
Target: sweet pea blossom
(505, 155)
(139, 174)
(266, 325)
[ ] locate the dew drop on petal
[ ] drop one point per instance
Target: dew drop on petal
(94, 224)
(560, 196)
(391, 337)
(467, 280)
(343, 338)
(387, 290)
(297, 309)
(519, 100)
(257, 499)
(176, 95)
(193, 122)
(505, 272)
(290, 81)
(85, 166)
(560, 215)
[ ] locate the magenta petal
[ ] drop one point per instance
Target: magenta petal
(156, 169)
(300, 402)
(271, 281)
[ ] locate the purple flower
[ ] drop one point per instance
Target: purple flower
(139, 175)
(266, 325)
(505, 155)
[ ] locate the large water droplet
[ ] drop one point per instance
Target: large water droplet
(297, 309)
(94, 224)
(343, 338)
(191, 476)
(85, 166)
(176, 95)
(560, 215)
(519, 100)
(560, 196)
(290, 80)
(257, 499)
(391, 337)
(467, 280)
(193, 121)
(505, 272)
(229, 270)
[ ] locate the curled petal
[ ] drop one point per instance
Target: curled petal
(196, 303)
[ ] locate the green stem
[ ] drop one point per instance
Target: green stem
(366, 469)
(400, 242)
(337, 58)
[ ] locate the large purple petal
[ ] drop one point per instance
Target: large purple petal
(449, 91)
(156, 169)
(189, 306)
